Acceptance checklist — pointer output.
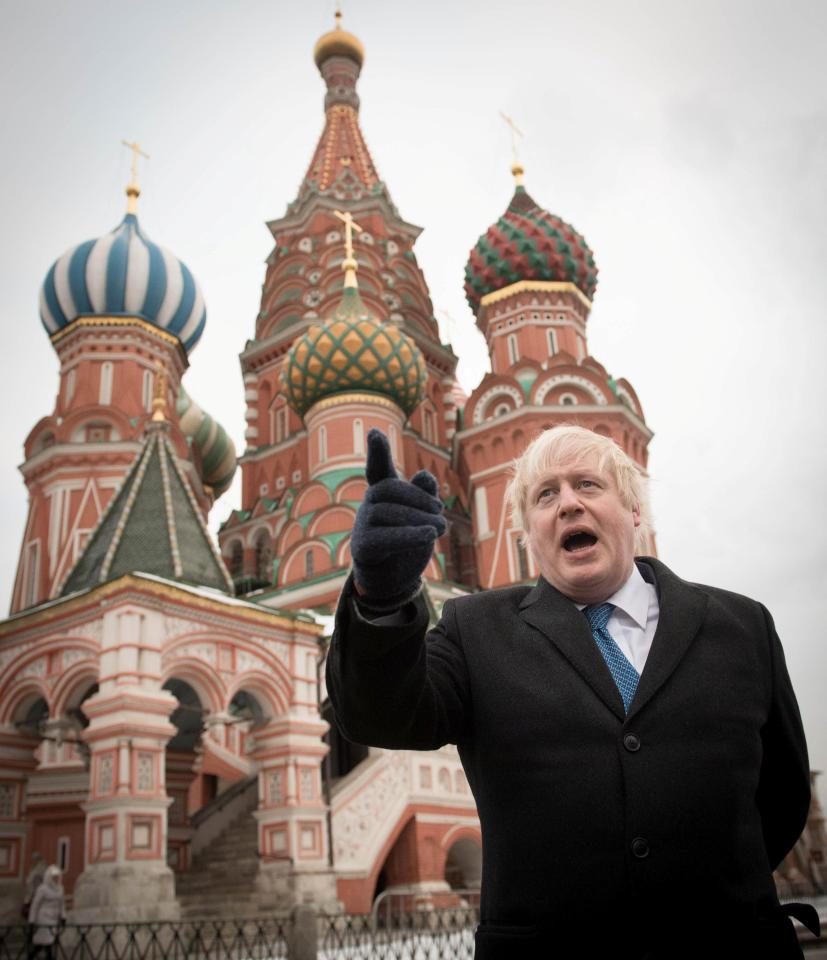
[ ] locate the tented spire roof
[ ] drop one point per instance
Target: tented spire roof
(153, 525)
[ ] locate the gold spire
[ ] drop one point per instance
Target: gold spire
(516, 167)
(159, 401)
(133, 191)
(349, 264)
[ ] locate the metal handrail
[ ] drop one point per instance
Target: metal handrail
(416, 892)
(221, 801)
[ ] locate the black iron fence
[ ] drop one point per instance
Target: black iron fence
(421, 934)
(439, 934)
(242, 939)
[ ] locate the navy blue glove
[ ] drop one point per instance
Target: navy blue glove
(395, 529)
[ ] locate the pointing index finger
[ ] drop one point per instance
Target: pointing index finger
(379, 464)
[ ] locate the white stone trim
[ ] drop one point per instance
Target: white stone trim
(570, 378)
(484, 401)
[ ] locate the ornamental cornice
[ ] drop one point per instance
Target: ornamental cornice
(561, 379)
(538, 286)
(567, 412)
(351, 396)
(262, 453)
(86, 322)
(302, 210)
(138, 589)
(499, 389)
(82, 453)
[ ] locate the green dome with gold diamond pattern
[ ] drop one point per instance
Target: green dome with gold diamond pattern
(353, 351)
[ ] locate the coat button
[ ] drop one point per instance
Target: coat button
(631, 742)
(640, 848)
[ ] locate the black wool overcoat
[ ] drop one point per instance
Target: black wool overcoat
(648, 835)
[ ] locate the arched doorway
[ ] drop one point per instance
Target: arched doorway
(463, 865)
(183, 782)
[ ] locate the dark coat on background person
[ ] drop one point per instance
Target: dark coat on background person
(647, 834)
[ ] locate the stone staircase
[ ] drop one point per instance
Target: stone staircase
(222, 879)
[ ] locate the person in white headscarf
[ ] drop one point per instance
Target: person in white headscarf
(47, 913)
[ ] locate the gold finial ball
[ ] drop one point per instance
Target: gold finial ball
(338, 43)
(517, 169)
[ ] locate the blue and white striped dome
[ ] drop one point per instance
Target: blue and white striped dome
(124, 274)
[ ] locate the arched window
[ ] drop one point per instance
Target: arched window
(322, 444)
(280, 424)
(513, 349)
(146, 390)
(308, 563)
(32, 572)
(428, 426)
(105, 392)
(552, 341)
(568, 400)
(264, 557)
(358, 437)
(236, 563)
(70, 386)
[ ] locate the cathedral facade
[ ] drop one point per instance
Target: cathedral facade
(162, 706)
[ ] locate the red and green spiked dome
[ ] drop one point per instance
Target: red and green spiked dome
(352, 351)
(528, 243)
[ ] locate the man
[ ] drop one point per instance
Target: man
(632, 740)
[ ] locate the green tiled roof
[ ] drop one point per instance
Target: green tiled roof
(153, 525)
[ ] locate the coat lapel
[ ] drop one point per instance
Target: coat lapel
(556, 617)
(682, 611)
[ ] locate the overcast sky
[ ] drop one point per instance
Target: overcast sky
(686, 141)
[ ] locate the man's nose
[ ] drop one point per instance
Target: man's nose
(569, 501)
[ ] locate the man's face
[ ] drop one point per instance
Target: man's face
(580, 533)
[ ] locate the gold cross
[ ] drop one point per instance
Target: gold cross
(133, 191)
(515, 132)
(136, 151)
(516, 166)
(349, 264)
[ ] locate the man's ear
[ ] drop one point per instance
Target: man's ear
(636, 515)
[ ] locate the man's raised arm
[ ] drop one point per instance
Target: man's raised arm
(388, 686)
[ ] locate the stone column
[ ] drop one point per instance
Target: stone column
(126, 875)
(292, 817)
(181, 769)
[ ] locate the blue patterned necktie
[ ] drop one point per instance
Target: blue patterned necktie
(623, 673)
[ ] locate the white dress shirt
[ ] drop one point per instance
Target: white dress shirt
(632, 624)
(634, 619)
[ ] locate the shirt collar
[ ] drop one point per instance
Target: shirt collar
(632, 598)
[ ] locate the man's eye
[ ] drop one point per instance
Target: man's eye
(545, 493)
(587, 483)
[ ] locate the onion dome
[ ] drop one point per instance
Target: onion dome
(528, 243)
(215, 448)
(353, 351)
(338, 43)
(123, 273)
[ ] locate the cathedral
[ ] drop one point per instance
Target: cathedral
(165, 736)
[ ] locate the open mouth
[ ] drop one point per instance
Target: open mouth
(579, 541)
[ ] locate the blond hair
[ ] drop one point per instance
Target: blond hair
(568, 442)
